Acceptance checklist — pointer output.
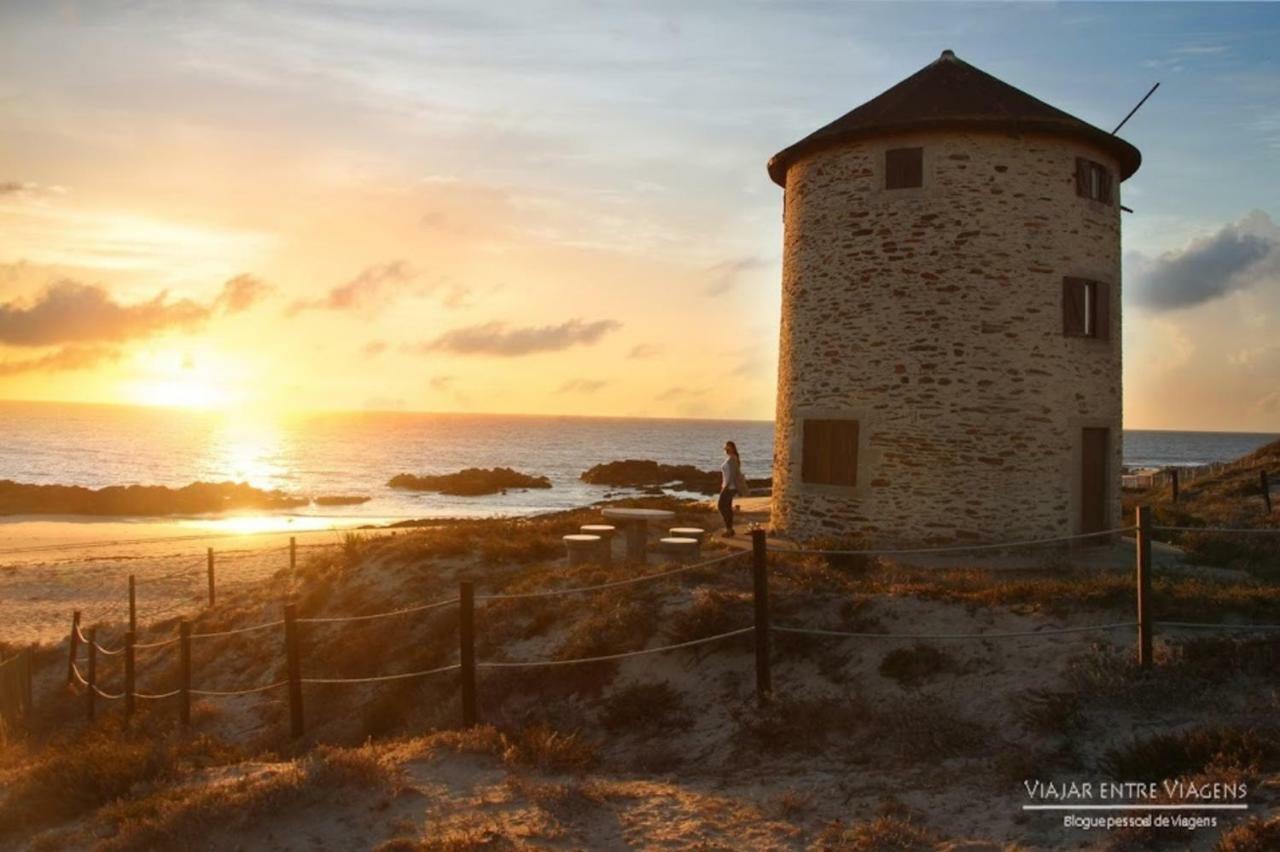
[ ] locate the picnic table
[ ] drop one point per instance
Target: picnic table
(635, 526)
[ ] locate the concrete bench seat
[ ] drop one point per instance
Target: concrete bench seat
(679, 548)
(689, 532)
(582, 549)
(606, 533)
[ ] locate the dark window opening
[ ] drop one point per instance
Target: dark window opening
(1093, 180)
(830, 453)
(1086, 308)
(903, 168)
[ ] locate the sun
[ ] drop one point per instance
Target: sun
(175, 393)
(170, 378)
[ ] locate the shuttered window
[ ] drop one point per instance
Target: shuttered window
(830, 452)
(903, 168)
(1093, 181)
(1086, 308)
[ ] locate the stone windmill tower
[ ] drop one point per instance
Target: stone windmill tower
(950, 353)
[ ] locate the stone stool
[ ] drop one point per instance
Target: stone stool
(687, 532)
(678, 548)
(606, 533)
(582, 549)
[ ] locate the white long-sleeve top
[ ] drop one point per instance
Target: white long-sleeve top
(729, 473)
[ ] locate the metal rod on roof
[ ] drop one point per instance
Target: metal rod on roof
(1135, 109)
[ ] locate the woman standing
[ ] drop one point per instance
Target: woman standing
(732, 482)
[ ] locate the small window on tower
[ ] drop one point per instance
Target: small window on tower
(1093, 180)
(830, 453)
(1086, 308)
(903, 168)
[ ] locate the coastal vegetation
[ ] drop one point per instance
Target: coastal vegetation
(470, 482)
(673, 747)
(1230, 499)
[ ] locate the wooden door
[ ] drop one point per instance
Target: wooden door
(1093, 479)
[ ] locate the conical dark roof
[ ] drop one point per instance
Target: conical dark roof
(950, 94)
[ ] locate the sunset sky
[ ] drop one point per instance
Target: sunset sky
(562, 207)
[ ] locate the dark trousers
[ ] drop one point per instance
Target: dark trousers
(726, 506)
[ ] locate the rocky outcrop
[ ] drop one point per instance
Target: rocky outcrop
(20, 498)
(470, 482)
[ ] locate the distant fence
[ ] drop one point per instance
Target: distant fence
(208, 568)
(1175, 477)
(16, 674)
(285, 631)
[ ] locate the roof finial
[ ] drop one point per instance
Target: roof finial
(948, 54)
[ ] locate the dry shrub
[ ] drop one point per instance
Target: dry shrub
(1049, 711)
(75, 775)
(538, 745)
(806, 574)
(1181, 753)
(543, 747)
(1255, 835)
(712, 612)
(644, 707)
(185, 816)
(1208, 661)
(912, 666)
(481, 739)
(894, 828)
(615, 625)
(927, 727)
(792, 804)
(797, 724)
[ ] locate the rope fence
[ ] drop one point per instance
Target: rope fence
(467, 665)
(605, 658)
(1222, 530)
(957, 548)
(1014, 634)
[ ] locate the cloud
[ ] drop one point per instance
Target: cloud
(449, 385)
(1240, 256)
(582, 386)
(66, 358)
(456, 296)
(374, 287)
(374, 347)
(21, 188)
(496, 338)
(68, 311)
(642, 351)
(241, 293)
(679, 392)
(724, 276)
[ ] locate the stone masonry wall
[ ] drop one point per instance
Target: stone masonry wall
(933, 316)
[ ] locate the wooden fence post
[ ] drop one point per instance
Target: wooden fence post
(1173, 480)
(294, 662)
(1266, 489)
(211, 598)
(467, 650)
(28, 686)
(75, 643)
(184, 672)
(1144, 586)
(128, 674)
(90, 694)
(293, 556)
(133, 606)
(760, 595)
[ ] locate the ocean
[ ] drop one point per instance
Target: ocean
(356, 453)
